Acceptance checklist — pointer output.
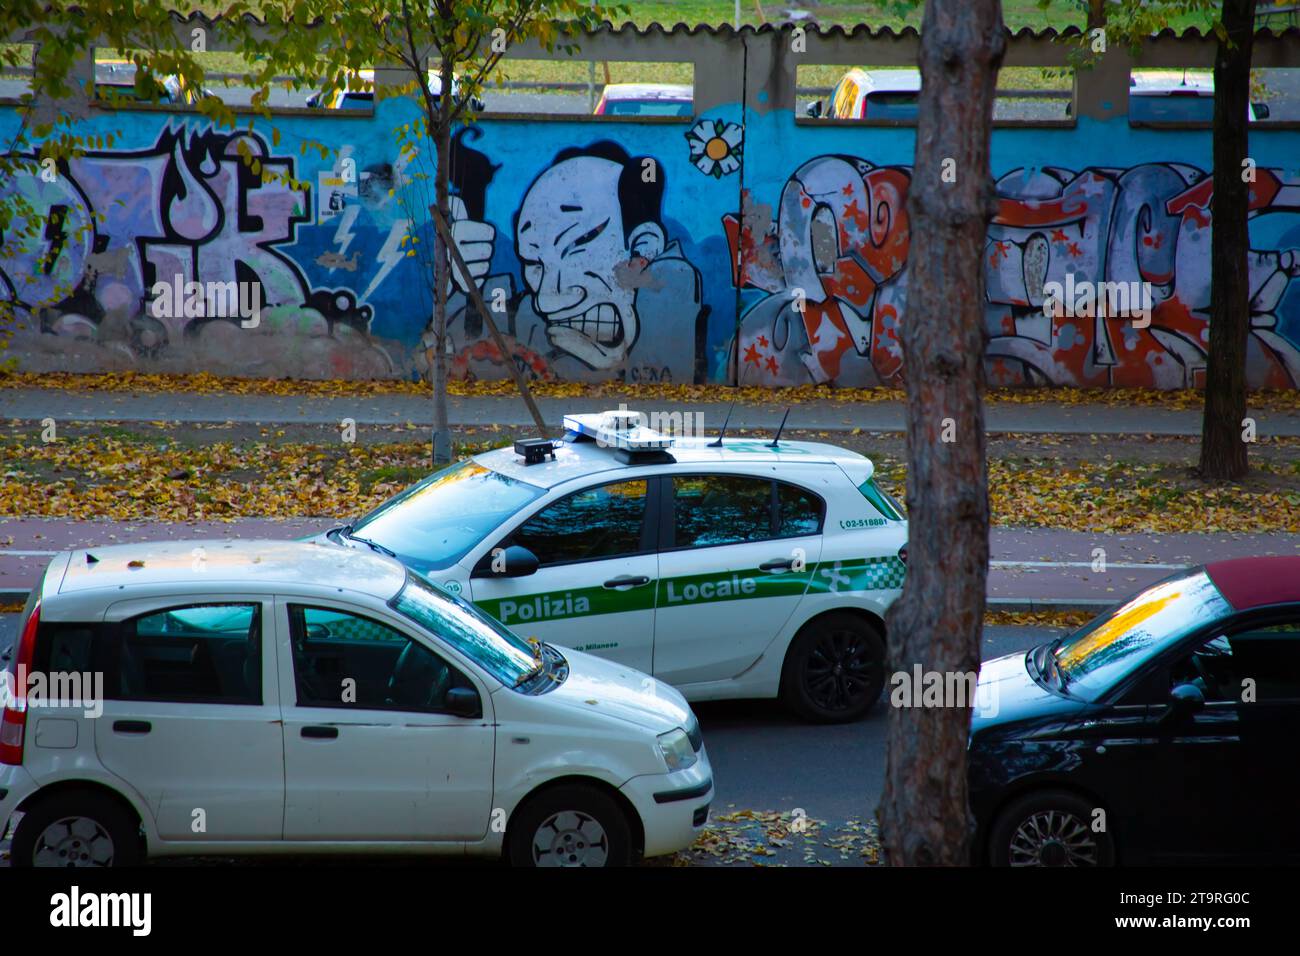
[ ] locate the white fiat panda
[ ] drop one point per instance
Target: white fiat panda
(223, 698)
(727, 567)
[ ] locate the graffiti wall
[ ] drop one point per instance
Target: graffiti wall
(187, 214)
(735, 246)
(591, 258)
(830, 259)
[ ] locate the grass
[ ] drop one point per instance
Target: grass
(1016, 13)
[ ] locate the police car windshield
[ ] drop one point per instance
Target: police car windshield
(433, 524)
(503, 654)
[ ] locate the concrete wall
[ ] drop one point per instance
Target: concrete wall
(746, 243)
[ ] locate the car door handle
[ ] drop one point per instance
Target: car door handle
(777, 564)
(626, 581)
(320, 733)
(132, 726)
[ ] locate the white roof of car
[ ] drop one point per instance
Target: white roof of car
(900, 80)
(578, 459)
(648, 91)
(252, 565)
(1158, 82)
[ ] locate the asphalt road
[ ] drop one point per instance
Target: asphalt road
(764, 758)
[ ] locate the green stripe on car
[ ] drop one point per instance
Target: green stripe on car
(863, 574)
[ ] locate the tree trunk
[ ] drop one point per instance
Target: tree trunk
(1223, 445)
(442, 271)
(937, 623)
(1096, 14)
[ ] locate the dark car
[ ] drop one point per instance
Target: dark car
(1166, 730)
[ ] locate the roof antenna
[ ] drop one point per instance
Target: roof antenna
(773, 442)
(717, 442)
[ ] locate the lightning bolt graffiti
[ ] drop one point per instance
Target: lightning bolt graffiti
(343, 236)
(389, 256)
(56, 235)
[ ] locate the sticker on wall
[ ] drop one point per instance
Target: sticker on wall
(716, 146)
(332, 195)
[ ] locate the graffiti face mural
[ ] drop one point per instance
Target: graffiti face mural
(606, 293)
(831, 268)
(571, 243)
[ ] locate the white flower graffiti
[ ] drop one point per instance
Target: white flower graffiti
(716, 147)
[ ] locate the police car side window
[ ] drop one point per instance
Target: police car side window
(588, 525)
(798, 512)
(710, 510)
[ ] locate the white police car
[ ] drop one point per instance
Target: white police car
(728, 568)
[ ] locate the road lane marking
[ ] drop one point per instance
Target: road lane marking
(1110, 565)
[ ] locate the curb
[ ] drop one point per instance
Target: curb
(1093, 605)
(365, 420)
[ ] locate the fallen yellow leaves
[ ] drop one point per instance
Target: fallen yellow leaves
(204, 382)
(104, 476)
(1124, 496)
(1058, 619)
(771, 838)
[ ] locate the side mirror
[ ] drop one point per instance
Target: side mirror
(463, 702)
(516, 562)
(1184, 700)
(814, 109)
(1261, 110)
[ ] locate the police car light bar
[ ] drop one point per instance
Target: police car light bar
(620, 429)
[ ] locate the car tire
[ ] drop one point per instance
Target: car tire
(570, 825)
(77, 828)
(1049, 828)
(834, 671)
